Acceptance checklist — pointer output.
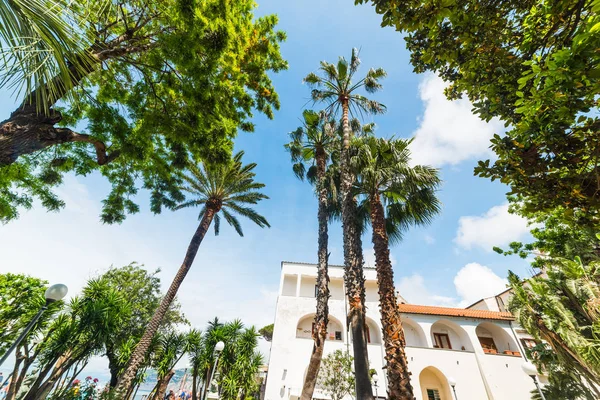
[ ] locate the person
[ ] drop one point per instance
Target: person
(170, 395)
(182, 395)
(1, 378)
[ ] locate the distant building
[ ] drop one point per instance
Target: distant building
(480, 347)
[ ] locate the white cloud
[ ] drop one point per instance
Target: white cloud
(475, 281)
(472, 282)
(449, 132)
(414, 291)
(429, 239)
(497, 227)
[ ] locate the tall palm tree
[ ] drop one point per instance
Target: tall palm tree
(226, 188)
(385, 177)
(312, 145)
(338, 89)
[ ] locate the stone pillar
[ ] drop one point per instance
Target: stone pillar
(298, 284)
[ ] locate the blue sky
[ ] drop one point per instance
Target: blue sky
(449, 262)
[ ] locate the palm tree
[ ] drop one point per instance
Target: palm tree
(45, 49)
(337, 88)
(312, 144)
(227, 188)
(383, 171)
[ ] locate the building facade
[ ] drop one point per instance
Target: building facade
(479, 349)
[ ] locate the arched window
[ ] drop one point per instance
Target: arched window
(306, 327)
(449, 335)
(434, 385)
(495, 340)
(373, 332)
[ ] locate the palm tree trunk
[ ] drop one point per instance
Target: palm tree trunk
(353, 269)
(194, 388)
(162, 385)
(399, 387)
(322, 314)
(139, 353)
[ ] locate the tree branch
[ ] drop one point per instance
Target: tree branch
(101, 154)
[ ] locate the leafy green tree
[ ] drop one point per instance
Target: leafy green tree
(142, 291)
(78, 334)
(311, 147)
(408, 193)
(562, 386)
(562, 383)
(562, 309)
(530, 63)
(338, 89)
(228, 188)
(21, 297)
(267, 332)
(336, 377)
(149, 102)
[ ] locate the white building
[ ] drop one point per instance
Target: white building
(478, 348)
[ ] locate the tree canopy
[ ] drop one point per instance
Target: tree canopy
(531, 63)
(172, 83)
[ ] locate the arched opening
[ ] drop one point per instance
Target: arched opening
(495, 340)
(434, 385)
(373, 332)
(306, 325)
(448, 335)
(413, 333)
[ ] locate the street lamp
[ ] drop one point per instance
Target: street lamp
(375, 379)
(53, 293)
(452, 383)
(217, 353)
(531, 370)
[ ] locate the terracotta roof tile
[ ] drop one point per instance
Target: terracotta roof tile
(455, 312)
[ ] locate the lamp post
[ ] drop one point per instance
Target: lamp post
(531, 370)
(452, 383)
(53, 293)
(375, 379)
(217, 353)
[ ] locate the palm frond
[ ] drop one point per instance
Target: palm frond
(45, 50)
(224, 186)
(217, 223)
(233, 221)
